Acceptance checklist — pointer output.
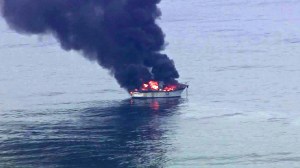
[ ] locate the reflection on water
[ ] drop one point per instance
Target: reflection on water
(129, 133)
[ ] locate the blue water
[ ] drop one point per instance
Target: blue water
(240, 57)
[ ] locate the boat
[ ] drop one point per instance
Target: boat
(170, 92)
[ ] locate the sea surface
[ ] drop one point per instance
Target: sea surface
(240, 58)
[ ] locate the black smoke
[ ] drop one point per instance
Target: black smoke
(121, 35)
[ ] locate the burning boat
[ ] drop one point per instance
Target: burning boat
(155, 89)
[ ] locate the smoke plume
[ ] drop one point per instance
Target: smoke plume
(121, 35)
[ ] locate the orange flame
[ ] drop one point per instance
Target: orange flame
(170, 88)
(154, 86)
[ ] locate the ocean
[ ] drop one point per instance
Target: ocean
(240, 58)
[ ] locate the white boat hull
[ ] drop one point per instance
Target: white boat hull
(157, 94)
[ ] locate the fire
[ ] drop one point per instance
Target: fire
(155, 86)
(170, 88)
(145, 87)
(151, 85)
